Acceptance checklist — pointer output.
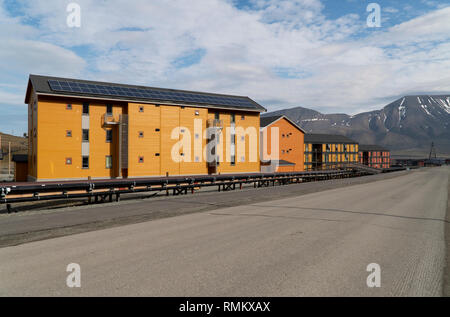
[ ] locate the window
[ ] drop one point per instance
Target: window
(85, 135)
(109, 109)
(108, 162)
(141, 108)
(141, 159)
(68, 161)
(233, 118)
(69, 133)
(242, 117)
(69, 106)
(157, 154)
(217, 116)
(141, 134)
(85, 162)
(109, 136)
(157, 130)
(86, 108)
(233, 147)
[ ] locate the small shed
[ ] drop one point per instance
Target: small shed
(20, 167)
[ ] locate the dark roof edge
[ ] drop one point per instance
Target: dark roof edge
(33, 77)
(282, 117)
(20, 158)
(372, 147)
(330, 138)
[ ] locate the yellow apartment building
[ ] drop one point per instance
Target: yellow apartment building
(327, 151)
(82, 129)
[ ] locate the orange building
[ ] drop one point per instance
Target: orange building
(83, 129)
(284, 144)
(374, 156)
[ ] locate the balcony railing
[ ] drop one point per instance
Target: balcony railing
(215, 123)
(108, 119)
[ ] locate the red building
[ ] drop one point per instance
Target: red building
(374, 156)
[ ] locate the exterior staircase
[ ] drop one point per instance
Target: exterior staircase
(364, 168)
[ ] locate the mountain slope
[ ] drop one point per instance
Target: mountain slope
(410, 123)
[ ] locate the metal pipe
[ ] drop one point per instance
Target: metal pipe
(94, 188)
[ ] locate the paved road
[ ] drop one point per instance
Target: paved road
(36, 225)
(317, 244)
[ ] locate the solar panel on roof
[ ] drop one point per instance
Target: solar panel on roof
(151, 93)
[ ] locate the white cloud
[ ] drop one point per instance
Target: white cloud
(38, 57)
(434, 26)
(246, 52)
(8, 98)
(390, 10)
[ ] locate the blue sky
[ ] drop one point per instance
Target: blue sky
(313, 53)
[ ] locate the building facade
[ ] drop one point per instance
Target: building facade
(82, 129)
(326, 151)
(281, 145)
(374, 156)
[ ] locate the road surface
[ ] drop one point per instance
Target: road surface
(317, 244)
(50, 222)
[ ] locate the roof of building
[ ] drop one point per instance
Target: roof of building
(328, 138)
(57, 86)
(20, 158)
(266, 121)
(372, 147)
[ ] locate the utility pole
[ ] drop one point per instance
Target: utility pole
(9, 159)
(432, 151)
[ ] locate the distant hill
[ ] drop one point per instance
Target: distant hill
(19, 145)
(407, 125)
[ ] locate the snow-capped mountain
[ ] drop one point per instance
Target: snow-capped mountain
(409, 123)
